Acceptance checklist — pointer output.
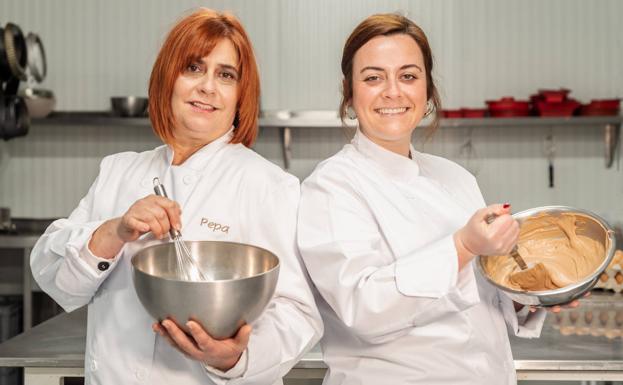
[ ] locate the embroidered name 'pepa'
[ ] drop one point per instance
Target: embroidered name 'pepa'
(214, 226)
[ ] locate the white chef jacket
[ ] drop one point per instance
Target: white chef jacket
(376, 234)
(252, 200)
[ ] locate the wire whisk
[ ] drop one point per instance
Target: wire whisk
(187, 267)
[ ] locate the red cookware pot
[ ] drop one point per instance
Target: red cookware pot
(601, 107)
(508, 107)
(474, 112)
(565, 108)
(451, 114)
(554, 96)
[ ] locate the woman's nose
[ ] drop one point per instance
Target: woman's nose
(392, 88)
(207, 84)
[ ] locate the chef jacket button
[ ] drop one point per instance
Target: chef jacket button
(103, 266)
(93, 365)
(145, 182)
(188, 179)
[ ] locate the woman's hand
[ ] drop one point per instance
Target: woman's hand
(219, 354)
(569, 305)
(553, 309)
(152, 213)
(478, 237)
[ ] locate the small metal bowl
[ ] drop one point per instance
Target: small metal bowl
(244, 281)
(592, 226)
(129, 106)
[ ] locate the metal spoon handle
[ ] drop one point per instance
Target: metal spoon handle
(514, 252)
(515, 255)
(160, 191)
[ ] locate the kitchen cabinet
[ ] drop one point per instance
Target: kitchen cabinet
(287, 121)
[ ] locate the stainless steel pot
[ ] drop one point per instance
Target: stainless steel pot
(592, 226)
(245, 278)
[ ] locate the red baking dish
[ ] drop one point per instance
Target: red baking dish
(452, 114)
(474, 112)
(601, 107)
(508, 107)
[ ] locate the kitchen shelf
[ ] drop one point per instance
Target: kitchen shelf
(329, 119)
(105, 118)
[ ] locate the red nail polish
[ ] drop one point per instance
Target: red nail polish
(507, 205)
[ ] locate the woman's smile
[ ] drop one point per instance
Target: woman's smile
(202, 107)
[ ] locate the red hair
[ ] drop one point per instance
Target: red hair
(192, 38)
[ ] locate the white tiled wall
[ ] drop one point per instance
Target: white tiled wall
(484, 49)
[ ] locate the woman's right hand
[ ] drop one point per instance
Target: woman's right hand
(478, 237)
(150, 214)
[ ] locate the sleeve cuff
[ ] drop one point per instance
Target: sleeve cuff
(237, 371)
(97, 264)
(523, 323)
(429, 272)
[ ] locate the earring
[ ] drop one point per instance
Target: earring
(350, 112)
(430, 107)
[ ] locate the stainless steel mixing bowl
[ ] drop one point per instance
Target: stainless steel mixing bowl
(243, 282)
(129, 106)
(590, 225)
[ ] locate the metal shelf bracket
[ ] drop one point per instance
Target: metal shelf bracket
(611, 141)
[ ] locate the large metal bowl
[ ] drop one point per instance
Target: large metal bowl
(129, 106)
(244, 280)
(592, 226)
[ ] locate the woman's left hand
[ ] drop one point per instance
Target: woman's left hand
(556, 309)
(219, 354)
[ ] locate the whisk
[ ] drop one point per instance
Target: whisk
(187, 267)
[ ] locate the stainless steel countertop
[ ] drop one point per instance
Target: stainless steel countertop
(10, 241)
(60, 342)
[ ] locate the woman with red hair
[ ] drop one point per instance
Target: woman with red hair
(204, 103)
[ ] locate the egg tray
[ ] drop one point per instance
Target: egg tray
(612, 277)
(598, 315)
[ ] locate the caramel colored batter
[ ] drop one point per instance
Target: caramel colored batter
(556, 255)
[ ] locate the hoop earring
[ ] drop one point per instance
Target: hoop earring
(430, 107)
(350, 112)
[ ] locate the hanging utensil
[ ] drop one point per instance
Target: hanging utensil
(550, 151)
(468, 154)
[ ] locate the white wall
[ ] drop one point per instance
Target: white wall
(484, 49)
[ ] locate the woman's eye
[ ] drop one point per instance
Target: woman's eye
(409, 77)
(372, 78)
(193, 68)
(228, 75)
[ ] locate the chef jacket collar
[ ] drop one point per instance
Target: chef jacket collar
(398, 167)
(199, 159)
